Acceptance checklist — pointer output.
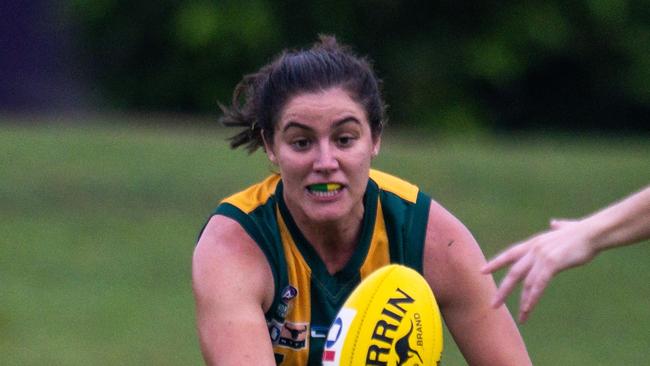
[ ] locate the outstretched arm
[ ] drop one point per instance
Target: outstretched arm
(568, 244)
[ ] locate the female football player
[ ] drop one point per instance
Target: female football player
(276, 261)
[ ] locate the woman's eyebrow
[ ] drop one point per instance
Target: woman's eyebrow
(345, 120)
(296, 125)
(337, 124)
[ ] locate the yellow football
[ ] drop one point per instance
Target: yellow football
(390, 319)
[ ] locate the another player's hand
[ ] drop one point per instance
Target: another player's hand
(536, 260)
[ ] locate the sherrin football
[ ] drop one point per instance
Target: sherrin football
(390, 319)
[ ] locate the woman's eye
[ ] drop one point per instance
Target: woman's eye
(300, 144)
(345, 140)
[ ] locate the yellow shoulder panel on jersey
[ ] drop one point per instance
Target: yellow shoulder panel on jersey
(255, 195)
(401, 188)
(379, 252)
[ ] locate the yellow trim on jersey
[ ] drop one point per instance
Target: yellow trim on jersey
(299, 276)
(255, 195)
(378, 253)
(390, 183)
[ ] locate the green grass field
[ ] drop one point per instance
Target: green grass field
(98, 226)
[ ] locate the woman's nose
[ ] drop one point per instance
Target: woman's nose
(326, 159)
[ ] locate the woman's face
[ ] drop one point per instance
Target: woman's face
(323, 139)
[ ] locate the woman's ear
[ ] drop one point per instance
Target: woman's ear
(268, 148)
(376, 145)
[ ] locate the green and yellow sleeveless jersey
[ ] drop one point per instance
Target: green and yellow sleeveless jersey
(307, 296)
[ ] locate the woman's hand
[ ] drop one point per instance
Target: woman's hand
(568, 244)
(536, 260)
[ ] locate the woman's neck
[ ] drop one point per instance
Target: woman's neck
(335, 242)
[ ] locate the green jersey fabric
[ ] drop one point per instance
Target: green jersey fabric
(307, 297)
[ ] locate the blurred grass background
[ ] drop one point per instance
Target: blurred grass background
(99, 222)
(508, 113)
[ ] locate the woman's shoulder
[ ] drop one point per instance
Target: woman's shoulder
(442, 223)
(447, 234)
(395, 185)
(225, 251)
(255, 195)
(224, 235)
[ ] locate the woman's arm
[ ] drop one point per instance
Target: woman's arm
(452, 263)
(625, 222)
(568, 244)
(233, 286)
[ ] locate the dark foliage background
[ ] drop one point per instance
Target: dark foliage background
(447, 65)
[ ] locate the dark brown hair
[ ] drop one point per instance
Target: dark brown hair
(259, 97)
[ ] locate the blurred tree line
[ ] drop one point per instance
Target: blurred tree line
(452, 65)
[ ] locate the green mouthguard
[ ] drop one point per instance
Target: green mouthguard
(325, 187)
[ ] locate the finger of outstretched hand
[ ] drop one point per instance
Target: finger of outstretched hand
(516, 273)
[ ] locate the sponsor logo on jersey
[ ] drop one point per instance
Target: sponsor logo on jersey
(319, 331)
(283, 309)
(289, 293)
(294, 335)
(277, 325)
(275, 328)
